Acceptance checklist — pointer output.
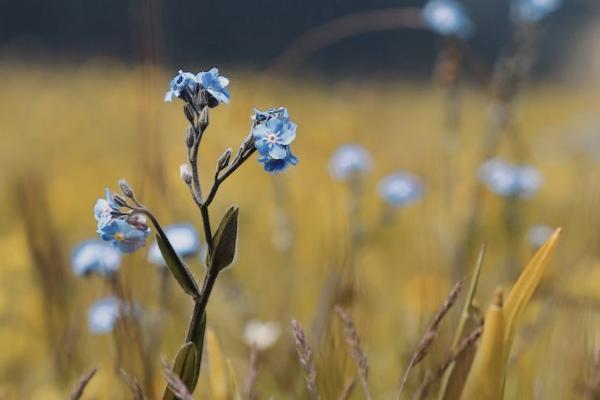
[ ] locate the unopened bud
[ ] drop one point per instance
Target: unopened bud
(121, 202)
(186, 173)
(189, 113)
(224, 159)
(189, 137)
(125, 188)
(203, 120)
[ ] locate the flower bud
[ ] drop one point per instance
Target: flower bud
(185, 173)
(189, 113)
(121, 202)
(189, 137)
(224, 159)
(203, 120)
(125, 188)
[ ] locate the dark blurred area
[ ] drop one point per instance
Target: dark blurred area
(251, 34)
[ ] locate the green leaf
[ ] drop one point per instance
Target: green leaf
(177, 267)
(197, 337)
(185, 368)
(225, 241)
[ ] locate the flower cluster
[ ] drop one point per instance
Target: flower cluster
(186, 85)
(508, 180)
(126, 231)
(401, 189)
(448, 18)
(349, 160)
(184, 239)
(273, 133)
(533, 10)
(95, 257)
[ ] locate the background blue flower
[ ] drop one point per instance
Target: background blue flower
(348, 160)
(183, 237)
(102, 315)
(95, 256)
(447, 17)
(506, 179)
(533, 10)
(400, 189)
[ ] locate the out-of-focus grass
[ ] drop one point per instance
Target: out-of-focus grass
(79, 129)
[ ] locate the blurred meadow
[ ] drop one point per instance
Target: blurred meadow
(71, 129)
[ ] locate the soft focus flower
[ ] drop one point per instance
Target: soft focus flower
(182, 81)
(123, 235)
(273, 133)
(102, 315)
(447, 17)
(95, 256)
(538, 234)
(349, 160)
(507, 180)
(533, 10)
(184, 239)
(262, 334)
(400, 189)
(214, 84)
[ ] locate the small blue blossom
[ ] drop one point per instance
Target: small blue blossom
(508, 180)
(95, 256)
(538, 234)
(533, 10)
(273, 134)
(105, 208)
(214, 84)
(401, 189)
(123, 235)
(184, 239)
(447, 17)
(103, 315)
(182, 81)
(349, 160)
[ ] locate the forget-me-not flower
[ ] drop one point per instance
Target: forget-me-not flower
(184, 239)
(123, 235)
(103, 315)
(182, 81)
(538, 234)
(508, 180)
(95, 256)
(273, 133)
(400, 189)
(214, 84)
(533, 10)
(447, 17)
(105, 209)
(349, 160)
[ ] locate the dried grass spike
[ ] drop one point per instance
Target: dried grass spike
(305, 356)
(81, 385)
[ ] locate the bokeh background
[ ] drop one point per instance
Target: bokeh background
(81, 106)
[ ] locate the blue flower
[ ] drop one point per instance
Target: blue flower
(533, 10)
(95, 256)
(123, 235)
(184, 239)
(538, 234)
(214, 84)
(104, 209)
(401, 189)
(507, 180)
(447, 17)
(103, 315)
(182, 81)
(349, 160)
(273, 134)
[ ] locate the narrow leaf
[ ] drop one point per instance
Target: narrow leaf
(218, 380)
(485, 380)
(177, 267)
(225, 241)
(197, 337)
(184, 367)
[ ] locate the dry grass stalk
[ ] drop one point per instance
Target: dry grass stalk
(83, 381)
(348, 389)
(430, 378)
(136, 391)
(305, 356)
(176, 384)
(250, 381)
(353, 342)
(425, 343)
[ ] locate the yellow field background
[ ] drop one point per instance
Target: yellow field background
(68, 132)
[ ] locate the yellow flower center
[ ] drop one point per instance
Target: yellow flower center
(119, 236)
